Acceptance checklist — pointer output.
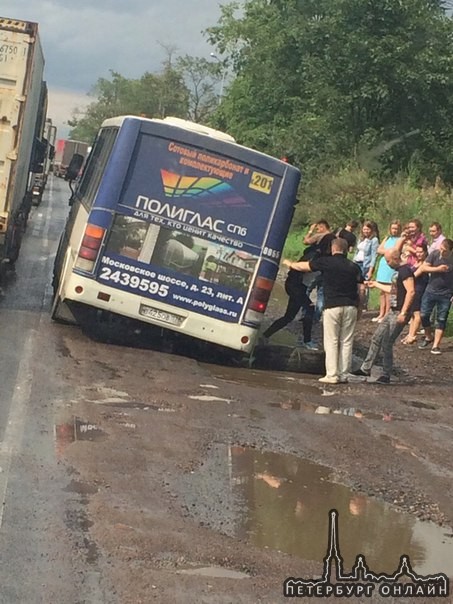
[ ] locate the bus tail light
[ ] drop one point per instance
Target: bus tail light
(90, 247)
(258, 300)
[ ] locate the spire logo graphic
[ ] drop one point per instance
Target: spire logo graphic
(361, 581)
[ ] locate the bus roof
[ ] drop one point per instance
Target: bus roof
(173, 121)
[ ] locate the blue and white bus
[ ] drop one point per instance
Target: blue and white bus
(176, 225)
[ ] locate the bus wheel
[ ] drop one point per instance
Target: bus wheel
(61, 313)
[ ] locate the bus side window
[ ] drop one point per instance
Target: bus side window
(94, 169)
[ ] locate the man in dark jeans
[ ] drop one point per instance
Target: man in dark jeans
(438, 294)
(297, 299)
(402, 293)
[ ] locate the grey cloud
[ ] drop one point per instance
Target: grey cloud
(83, 40)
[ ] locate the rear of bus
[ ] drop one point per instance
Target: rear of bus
(176, 225)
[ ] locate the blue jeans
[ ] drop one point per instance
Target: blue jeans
(435, 301)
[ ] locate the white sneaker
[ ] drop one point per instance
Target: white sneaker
(307, 345)
(328, 380)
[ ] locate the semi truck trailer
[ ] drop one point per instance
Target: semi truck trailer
(64, 152)
(21, 111)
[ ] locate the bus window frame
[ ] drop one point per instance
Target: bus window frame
(94, 170)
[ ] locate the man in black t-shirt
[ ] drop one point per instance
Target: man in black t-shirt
(402, 294)
(347, 232)
(343, 292)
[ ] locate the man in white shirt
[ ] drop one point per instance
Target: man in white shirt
(435, 232)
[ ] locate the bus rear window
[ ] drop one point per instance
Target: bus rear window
(94, 169)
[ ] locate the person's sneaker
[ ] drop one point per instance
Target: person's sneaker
(328, 380)
(424, 343)
(383, 379)
(343, 379)
(360, 372)
(436, 350)
(309, 345)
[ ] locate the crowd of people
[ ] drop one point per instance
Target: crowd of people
(414, 276)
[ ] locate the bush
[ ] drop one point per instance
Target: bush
(355, 193)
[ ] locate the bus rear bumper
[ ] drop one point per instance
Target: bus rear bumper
(89, 292)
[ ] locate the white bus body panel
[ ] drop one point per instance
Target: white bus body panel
(127, 305)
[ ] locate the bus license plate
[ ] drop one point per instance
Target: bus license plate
(160, 315)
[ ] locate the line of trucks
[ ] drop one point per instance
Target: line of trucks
(28, 146)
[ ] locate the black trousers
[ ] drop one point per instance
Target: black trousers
(297, 299)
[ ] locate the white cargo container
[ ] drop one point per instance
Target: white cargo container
(21, 77)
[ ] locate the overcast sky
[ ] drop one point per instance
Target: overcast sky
(83, 39)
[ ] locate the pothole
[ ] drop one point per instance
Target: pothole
(282, 502)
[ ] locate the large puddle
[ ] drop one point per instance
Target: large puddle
(285, 503)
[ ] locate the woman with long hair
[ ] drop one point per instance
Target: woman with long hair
(367, 247)
(414, 238)
(366, 253)
(385, 272)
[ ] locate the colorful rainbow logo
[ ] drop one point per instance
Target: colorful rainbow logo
(204, 188)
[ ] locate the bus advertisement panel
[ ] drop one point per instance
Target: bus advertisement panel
(191, 227)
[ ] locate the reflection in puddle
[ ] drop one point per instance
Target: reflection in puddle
(76, 429)
(286, 506)
(324, 410)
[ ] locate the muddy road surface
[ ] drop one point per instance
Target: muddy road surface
(130, 475)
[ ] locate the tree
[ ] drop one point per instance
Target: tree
(152, 95)
(326, 80)
(201, 77)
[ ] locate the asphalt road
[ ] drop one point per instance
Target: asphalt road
(41, 521)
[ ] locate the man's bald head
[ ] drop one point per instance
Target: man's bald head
(339, 246)
(393, 257)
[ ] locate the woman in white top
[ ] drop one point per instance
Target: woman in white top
(366, 253)
(367, 247)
